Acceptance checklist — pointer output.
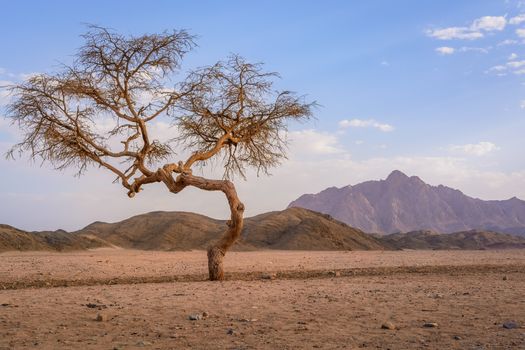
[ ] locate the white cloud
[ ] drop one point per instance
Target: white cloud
(512, 57)
(5, 94)
(498, 68)
(385, 63)
(516, 64)
(489, 23)
(362, 123)
(312, 142)
(474, 49)
(445, 50)
(522, 104)
(520, 32)
(472, 32)
(517, 19)
(478, 149)
(454, 33)
(508, 42)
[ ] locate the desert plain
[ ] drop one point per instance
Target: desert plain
(129, 299)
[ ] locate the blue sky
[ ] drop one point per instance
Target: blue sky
(433, 88)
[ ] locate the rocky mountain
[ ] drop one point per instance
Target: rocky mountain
(402, 204)
(294, 228)
(472, 240)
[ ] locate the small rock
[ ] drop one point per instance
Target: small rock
(143, 343)
(457, 337)
(195, 317)
(230, 331)
(268, 276)
(510, 325)
(205, 314)
(334, 273)
(101, 318)
(504, 278)
(388, 325)
(430, 324)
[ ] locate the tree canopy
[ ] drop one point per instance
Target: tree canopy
(228, 111)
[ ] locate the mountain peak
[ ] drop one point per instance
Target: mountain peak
(396, 175)
(403, 203)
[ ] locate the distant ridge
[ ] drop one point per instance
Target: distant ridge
(471, 240)
(290, 229)
(402, 204)
(14, 239)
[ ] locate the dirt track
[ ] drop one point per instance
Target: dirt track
(468, 294)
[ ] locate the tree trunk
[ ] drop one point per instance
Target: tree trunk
(217, 251)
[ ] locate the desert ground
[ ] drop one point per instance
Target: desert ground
(124, 299)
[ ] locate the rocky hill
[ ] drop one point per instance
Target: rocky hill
(293, 228)
(472, 240)
(14, 239)
(402, 204)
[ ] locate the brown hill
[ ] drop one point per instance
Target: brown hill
(293, 228)
(14, 239)
(472, 240)
(402, 204)
(302, 229)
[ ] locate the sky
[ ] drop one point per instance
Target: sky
(435, 89)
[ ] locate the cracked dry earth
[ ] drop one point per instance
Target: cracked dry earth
(466, 296)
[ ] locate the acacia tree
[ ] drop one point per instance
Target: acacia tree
(227, 112)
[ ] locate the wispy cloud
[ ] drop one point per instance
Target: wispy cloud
(508, 42)
(445, 50)
(520, 32)
(475, 149)
(489, 23)
(474, 31)
(365, 123)
(4, 92)
(517, 19)
(313, 142)
(454, 33)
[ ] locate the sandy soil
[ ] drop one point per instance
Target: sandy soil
(469, 294)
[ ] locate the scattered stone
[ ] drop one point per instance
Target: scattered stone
(510, 325)
(195, 317)
(230, 331)
(101, 318)
(205, 314)
(334, 273)
(430, 325)
(268, 276)
(457, 337)
(504, 278)
(4, 304)
(143, 343)
(388, 325)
